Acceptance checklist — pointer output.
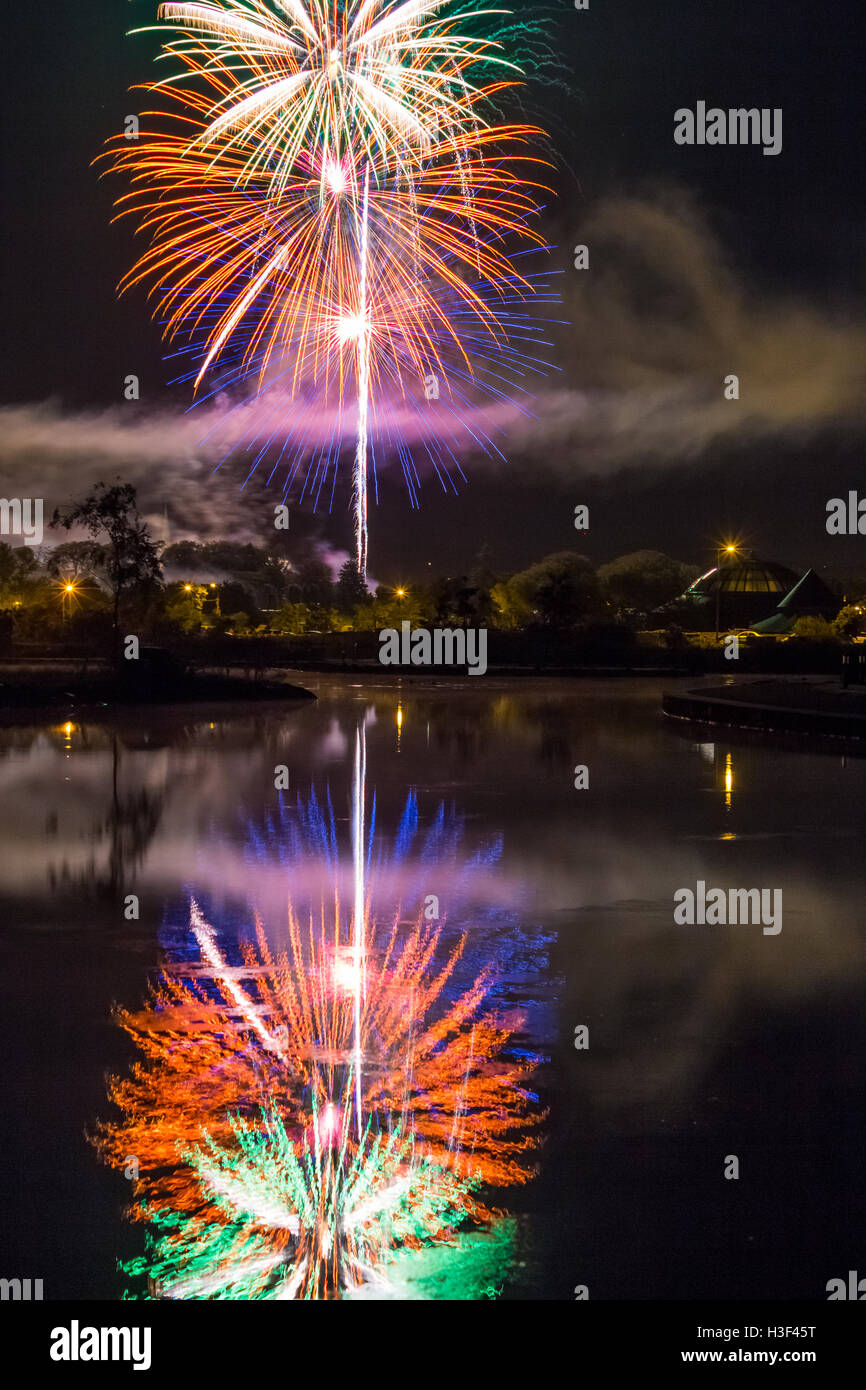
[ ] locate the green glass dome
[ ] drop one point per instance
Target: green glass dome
(745, 576)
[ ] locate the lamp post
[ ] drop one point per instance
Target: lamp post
(68, 592)
(720, 551)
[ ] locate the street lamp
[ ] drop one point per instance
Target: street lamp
(721, 551)
(67, 591)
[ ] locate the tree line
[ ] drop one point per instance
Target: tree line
(85, 591)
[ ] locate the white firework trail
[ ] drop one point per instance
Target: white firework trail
(360, 470)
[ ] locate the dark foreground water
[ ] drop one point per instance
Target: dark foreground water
(438, 912)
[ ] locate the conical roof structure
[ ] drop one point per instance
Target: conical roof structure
(810, 595)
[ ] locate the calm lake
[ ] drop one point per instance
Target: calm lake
(411, 1013)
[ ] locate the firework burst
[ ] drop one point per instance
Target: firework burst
(332, 218)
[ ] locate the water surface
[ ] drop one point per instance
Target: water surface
(451, 815)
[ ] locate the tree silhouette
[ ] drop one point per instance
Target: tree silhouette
(350, 588)
(131, 558)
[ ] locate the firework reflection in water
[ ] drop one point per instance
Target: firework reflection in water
(306, 1119)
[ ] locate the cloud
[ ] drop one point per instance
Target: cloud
(658, 322)
(655, 325)
(59, 455)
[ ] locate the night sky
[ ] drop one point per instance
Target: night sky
(704, 261)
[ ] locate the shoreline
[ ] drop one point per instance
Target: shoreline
(57, 692)
(801, 707)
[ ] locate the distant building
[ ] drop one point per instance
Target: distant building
(746, 592)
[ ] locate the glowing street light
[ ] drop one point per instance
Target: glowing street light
(729, 548)
(68, 590)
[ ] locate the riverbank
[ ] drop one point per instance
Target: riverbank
(805, 705)
(52, 686)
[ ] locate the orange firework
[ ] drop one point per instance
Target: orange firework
(329, 208)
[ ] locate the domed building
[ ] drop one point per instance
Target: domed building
(746, 592)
